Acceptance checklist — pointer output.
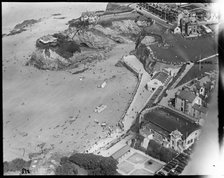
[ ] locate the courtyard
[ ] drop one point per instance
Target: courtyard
(138, 163)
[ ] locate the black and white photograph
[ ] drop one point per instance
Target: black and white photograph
(111, 88)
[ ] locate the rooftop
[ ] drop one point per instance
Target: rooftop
(186, 95)
(200, 108)
(48, 39)
(170, 120)
(161, 76)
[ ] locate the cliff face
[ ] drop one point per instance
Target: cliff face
(82, 44)
(143, 54)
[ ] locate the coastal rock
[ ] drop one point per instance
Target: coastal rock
(112, 34)
(47, 59)
(93, 40)
(26, 23)
(143, 54)
(19, 28)
(126, 26)
(87, 57)
(148, 40)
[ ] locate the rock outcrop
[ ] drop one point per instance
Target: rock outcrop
(83, 44)
(19, 28)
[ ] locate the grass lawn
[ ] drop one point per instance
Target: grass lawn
(180, 49)
(196, 71)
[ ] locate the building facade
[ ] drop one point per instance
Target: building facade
(189, 103)
(170, 131)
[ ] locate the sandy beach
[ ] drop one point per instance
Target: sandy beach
(56, 107)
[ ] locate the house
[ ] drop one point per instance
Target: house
(48, 39)
(160, 78)
(188, 25)
(187, 101)
(170, 129)
(91, 17)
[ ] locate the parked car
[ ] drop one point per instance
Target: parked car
(182, 165)
(171, 173)
(160, 173)
(179, 169)
(172, 164)
(167, 168)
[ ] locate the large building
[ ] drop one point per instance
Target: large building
(168, 128)
(166, 11)
(193, 98)
(188, 24)
(190, 103)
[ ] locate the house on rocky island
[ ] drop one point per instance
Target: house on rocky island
(169, 128)
(91, 17)
(48, 39)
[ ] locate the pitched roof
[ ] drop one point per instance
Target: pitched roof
(186, 95)
(169, 120)
(161, 76)
(48, 39)
(200, 108)
(207, 85)
(149, 125)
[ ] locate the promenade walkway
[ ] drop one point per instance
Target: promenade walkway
(142, 95)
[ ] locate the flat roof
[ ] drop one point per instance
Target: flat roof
(121, 152)
(169, 120)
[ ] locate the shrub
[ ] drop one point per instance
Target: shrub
(64, 160)
(66, 168)
(166, 154)
(156, 150)
(95, 164)
(16, 165)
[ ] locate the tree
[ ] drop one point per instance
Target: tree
(16, 165)
(95, 164)
(154, 149)
(67, 168)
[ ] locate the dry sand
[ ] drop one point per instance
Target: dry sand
(38, 105)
